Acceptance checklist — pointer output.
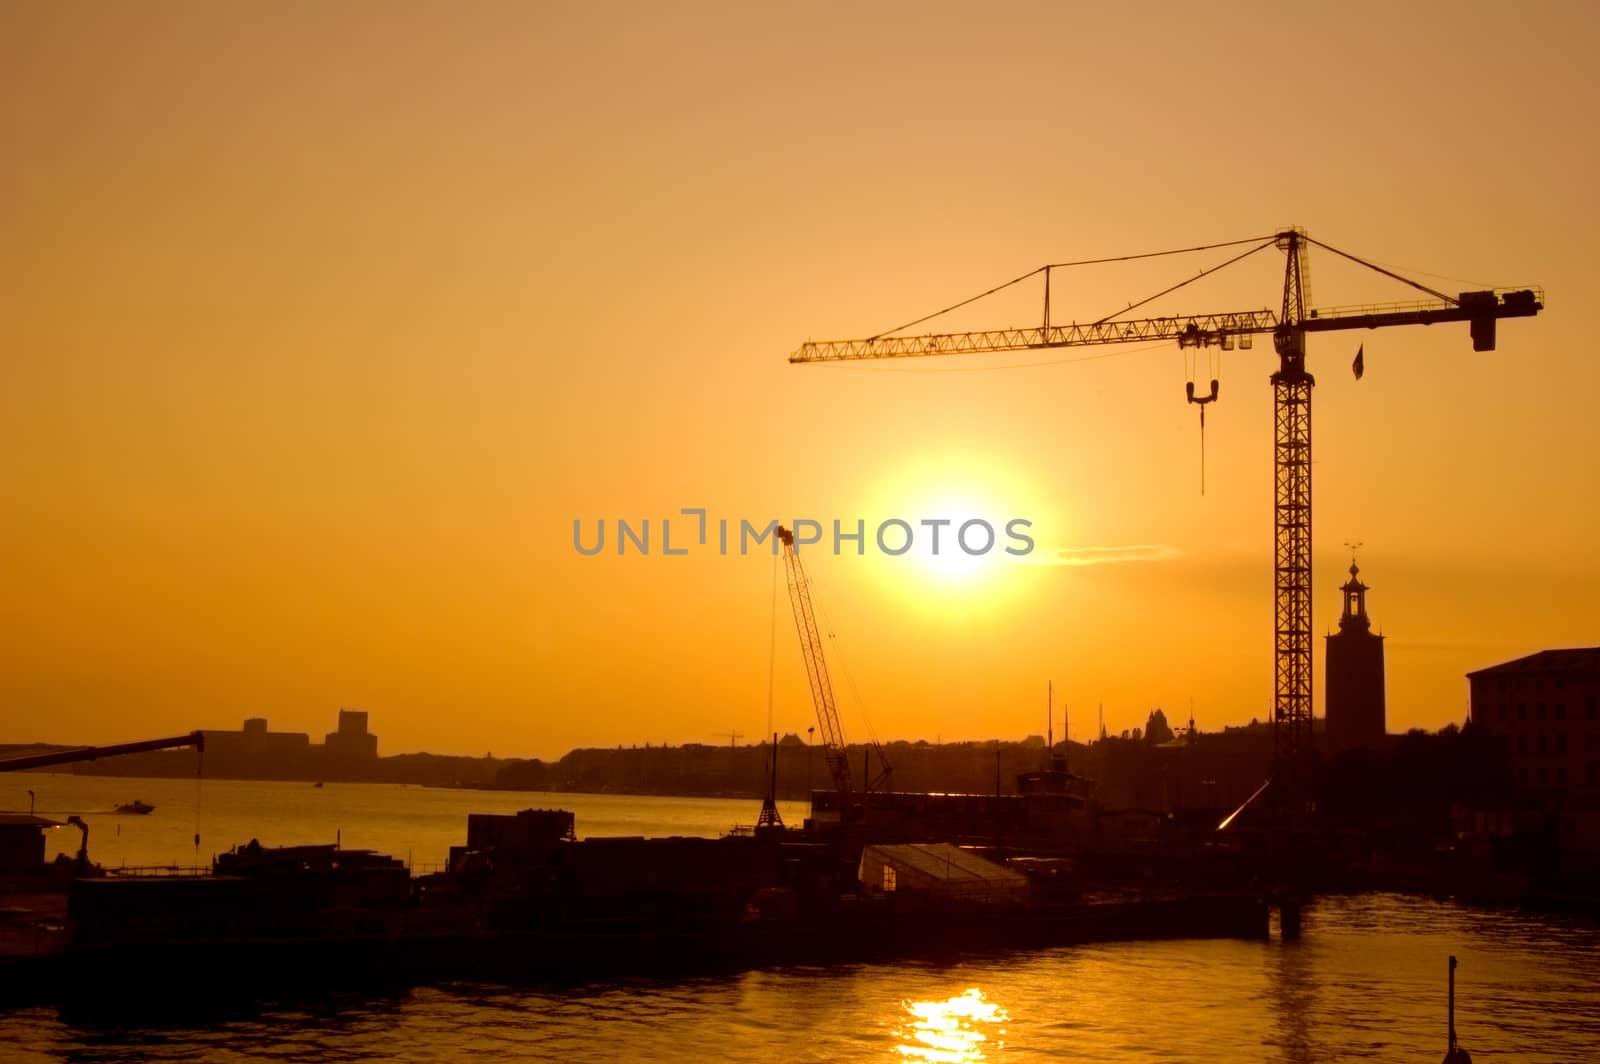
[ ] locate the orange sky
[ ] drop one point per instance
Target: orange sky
(320, 324)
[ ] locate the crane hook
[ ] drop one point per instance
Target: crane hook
(1201, 403)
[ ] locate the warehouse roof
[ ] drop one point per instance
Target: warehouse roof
(940, 860)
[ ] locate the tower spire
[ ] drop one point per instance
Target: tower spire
(1355, 602)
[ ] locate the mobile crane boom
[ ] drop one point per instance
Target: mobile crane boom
(805, 623)
(93, 753)
(833, 741)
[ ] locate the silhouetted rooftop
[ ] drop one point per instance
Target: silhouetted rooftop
(1577, 659)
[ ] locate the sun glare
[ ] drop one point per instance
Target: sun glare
(958, 542)
(957, 507)
(952, 1031)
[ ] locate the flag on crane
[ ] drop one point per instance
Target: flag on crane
(1359, 366)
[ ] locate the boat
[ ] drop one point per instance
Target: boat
(136, 806)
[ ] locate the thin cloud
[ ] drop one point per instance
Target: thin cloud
(1138, 552)
(1433, 646)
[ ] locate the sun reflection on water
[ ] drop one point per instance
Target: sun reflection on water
(949, 1031)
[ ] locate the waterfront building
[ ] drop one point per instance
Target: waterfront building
(1546, 709)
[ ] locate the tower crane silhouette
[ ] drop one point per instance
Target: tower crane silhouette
(1291, 384)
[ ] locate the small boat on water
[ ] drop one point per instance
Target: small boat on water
(135, 806)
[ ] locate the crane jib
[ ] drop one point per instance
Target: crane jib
(1189, 330)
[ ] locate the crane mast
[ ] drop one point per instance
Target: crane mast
(1291, 383)
(1291, 386)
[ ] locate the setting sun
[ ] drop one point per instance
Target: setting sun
(961, 543)
(968, 521)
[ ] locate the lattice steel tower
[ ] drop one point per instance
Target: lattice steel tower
(1291, 386)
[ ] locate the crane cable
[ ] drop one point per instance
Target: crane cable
(1203, 273)
(819, 601)
(1158, 254)
(772, 644)
(1191, 369)
(1064, 265)
(1387, 273)
(1440, 276)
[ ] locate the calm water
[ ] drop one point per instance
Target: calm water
(1366, 982)
(418, 824)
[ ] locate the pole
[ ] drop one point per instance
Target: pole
(1452, 1002)
(769, 818)
(811, 744)
(772, 643)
